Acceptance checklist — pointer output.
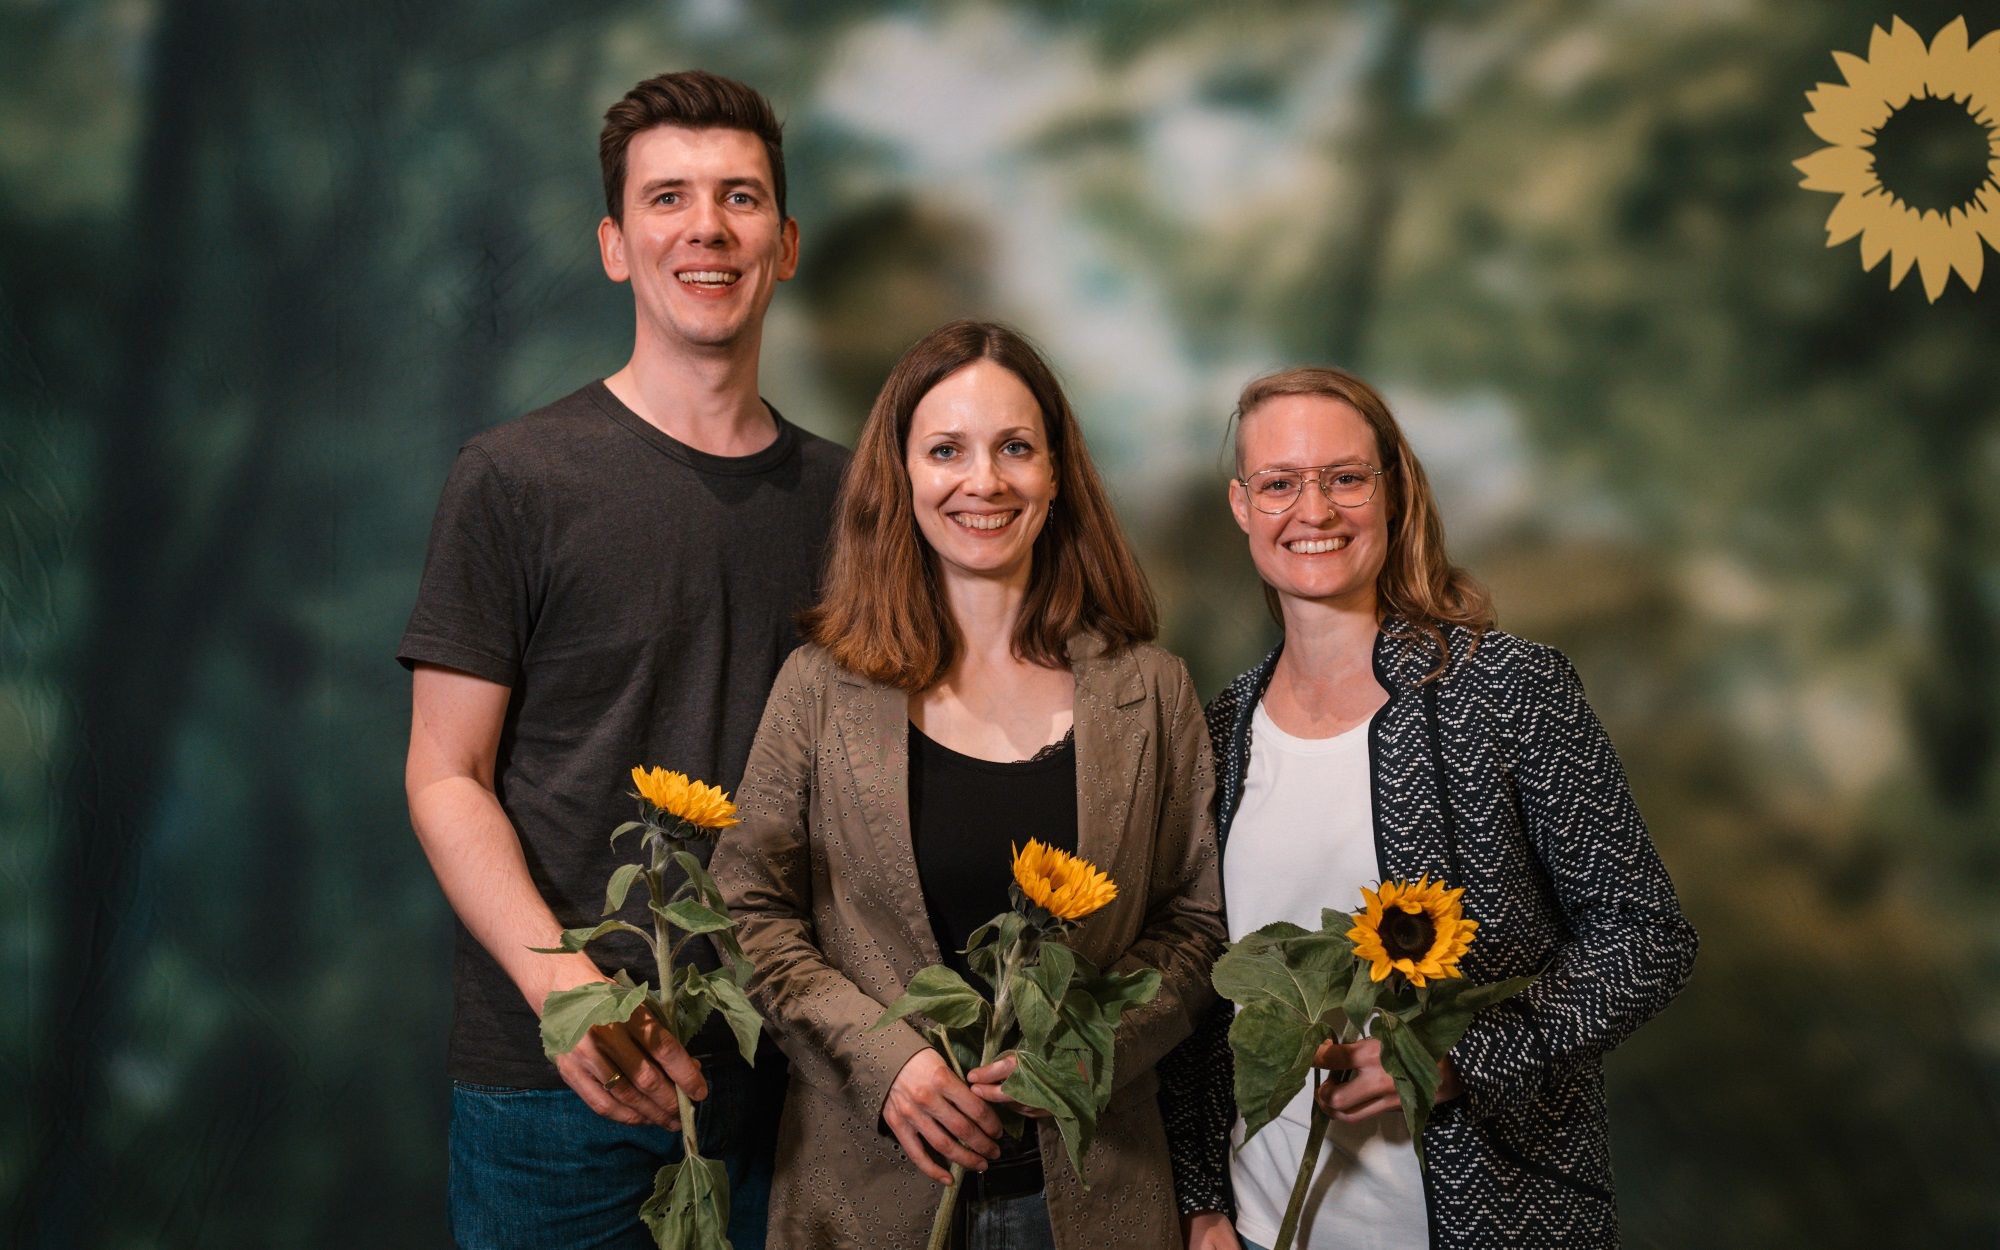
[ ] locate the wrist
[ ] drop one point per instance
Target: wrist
(555, 972)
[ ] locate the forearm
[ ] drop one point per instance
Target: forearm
(823, 1021)
(1595, 993)
(1183, 951)
(476, 855)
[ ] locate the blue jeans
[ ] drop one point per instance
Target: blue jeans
(1010, 1224)
(533, 1169)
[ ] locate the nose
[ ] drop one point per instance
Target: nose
(1313, 504)
(706, 225)
(982, 475)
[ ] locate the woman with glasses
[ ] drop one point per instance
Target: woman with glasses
(979, 674)
(1395, 733)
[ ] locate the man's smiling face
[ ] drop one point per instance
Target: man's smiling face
(702, 242)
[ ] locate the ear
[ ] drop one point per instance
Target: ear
(611, 250)
(788, 241)
(1239, 504)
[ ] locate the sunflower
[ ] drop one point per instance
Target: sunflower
(675, 794)
(1418, 930)
(1067, 887)
(1916, 147)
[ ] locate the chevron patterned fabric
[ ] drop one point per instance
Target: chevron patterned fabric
(1498, 777)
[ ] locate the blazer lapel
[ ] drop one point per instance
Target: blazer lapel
(874, 722)
(1113, 742)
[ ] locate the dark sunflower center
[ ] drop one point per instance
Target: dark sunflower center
(1933, 154)
(1407, 935)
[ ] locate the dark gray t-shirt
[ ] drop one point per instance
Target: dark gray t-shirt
(638, 597)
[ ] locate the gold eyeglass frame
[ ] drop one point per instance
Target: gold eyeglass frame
(1317, 474)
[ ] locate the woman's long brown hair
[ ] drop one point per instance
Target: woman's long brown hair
(882, 614)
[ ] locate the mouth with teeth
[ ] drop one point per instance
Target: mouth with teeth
(1316, 546)
(985, 522)
(707, 279)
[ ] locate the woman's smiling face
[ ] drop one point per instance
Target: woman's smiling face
(1313, 550)
(982, 477)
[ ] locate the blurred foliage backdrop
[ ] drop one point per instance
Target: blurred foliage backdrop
(264, 266)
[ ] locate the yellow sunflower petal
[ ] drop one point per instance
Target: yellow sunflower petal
(1981, 78)
(1984, 217)
(1901, 54)
(1963, 249)
(1837, 169)
(1844, 116)
(1064, 885)
(1946, 64)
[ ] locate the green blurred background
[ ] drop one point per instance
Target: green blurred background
(265, 266)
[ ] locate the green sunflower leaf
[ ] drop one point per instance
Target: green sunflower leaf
(705, 888)
(1059, 1089)
(939, 993)
(569, 1014)
(621, 885)
(691, 917)
(689, 1209)
(1289, 985)
(734, 1004)
(576, 939)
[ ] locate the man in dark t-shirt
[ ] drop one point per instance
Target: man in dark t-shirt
(612, 580)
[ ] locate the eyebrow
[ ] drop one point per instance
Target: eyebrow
(1012, 432)
(727, 184)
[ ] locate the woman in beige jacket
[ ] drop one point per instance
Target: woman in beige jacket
(979, 674)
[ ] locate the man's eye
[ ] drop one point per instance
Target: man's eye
(743, 198)
(667, 197)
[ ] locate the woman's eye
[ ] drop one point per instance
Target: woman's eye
(1019, 447)
(943, 451)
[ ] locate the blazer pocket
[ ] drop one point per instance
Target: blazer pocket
(1546, 1171)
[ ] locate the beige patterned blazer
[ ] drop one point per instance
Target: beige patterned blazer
(824, 885)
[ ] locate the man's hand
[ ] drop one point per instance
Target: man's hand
(986, 1083)
(628, 1072)
(1209, 1230)
(930, 1109)
(1371, 1091)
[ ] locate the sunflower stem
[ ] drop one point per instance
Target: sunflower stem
(663, 955)
(1289, 1229)
(997, 1027)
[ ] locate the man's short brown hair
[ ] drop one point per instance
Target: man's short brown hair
(698, 100)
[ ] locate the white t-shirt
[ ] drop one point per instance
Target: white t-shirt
(1304, 839)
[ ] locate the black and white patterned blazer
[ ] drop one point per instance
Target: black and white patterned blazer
(1498, 777)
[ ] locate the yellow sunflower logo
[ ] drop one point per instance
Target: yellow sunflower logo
(1064, 885)
(1418, 930)
(1915, 135)
(675, 794)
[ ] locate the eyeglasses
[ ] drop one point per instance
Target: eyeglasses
(1343, 485)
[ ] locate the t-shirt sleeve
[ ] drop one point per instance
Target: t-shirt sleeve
(474, 607)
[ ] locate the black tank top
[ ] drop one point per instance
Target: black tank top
(964, 813)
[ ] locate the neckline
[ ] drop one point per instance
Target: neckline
(1267, 730)
(763, 460)
(1051, 756)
